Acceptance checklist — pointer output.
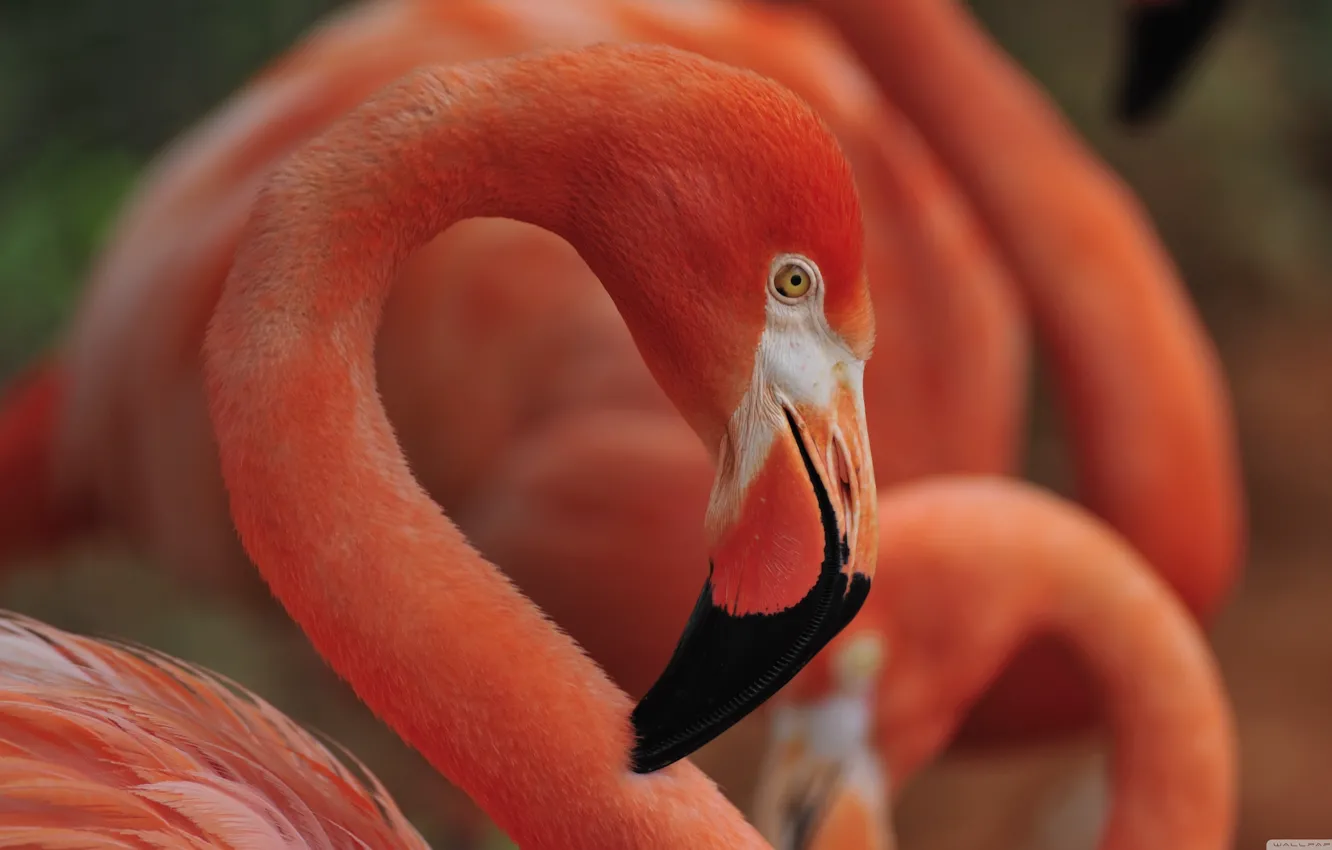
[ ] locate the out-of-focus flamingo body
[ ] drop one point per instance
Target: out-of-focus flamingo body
(32, 516)
(1140, 382)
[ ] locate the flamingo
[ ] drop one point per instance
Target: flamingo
(547, 470)
(755, 317)
(108, 746)
(968, 568)
(157, 392)
(823, 784)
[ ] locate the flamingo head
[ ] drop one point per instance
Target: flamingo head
(751, 309)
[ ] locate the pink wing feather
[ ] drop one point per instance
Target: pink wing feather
(107, 746)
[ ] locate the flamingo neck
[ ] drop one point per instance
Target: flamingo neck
(1012, 562)
(432, 637)
(1172, 736)
(971, 101)
(1138, 377)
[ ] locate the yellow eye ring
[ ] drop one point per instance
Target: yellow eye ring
(792, 279)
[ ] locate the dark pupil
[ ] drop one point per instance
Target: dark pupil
(795, 279)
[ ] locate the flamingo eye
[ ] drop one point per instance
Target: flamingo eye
(792, 278)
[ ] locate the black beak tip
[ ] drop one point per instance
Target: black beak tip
(1162, 40)
(649, 756)
(726, 665)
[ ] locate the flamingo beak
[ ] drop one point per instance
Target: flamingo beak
(794, 529)
(1163, 38)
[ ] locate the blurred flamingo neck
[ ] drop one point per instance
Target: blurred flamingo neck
(1104, 293)
(1173, 782)
(973, 103)
(1028, 564)
(433, 638)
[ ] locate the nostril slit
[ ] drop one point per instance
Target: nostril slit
(837, 469)
(844, 473)
(846, 486)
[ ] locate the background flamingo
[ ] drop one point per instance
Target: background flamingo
(1103, 295)
(972, 567)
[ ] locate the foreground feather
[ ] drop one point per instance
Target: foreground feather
(109, 746)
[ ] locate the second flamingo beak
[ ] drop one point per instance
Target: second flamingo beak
(1163, 39)
(794, 535)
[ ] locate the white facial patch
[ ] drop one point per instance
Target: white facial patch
(800, 361)
(799, 355)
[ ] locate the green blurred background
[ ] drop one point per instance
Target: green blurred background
(1238, 178)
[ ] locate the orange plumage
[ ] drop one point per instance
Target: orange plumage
(109, 746)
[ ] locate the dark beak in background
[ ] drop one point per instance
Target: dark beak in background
(1163, 38)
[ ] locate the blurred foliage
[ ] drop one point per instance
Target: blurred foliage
(52, 213)
(89, 91)
(130, 75)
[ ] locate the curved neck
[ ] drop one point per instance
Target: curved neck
(1138, 377)
(969, 99)
(431, 636)
(1172, 751)
(1012, 562)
